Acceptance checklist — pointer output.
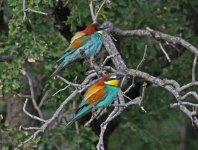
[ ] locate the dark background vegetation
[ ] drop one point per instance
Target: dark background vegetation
(44, 38)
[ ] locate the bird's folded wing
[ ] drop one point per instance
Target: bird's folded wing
(93, 95)
(78, 42)
(77, 35)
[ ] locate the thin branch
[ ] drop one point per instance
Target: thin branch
(194, 94)
(24, 9)
(30, 115)
(68, 82)
(91, 9)
(28, 128)
(44, 98)
(107, 59)
(184, 103)
(193, 69)
(116, 112)
(143, 58)
(188, 86)
(94, 115)
(133, 80)
(35, 11)
(163, 50)
(30, 138)
(142, 96)
(24, 95)
(61, 90)
(33, 96)
(130, 87)
(111, 69)
(96, 15)
(126, 96)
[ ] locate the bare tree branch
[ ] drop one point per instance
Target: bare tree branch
(142, 60)
(194, 94)
(25, 10)
(188, 85)
(44, 98)
(96, 15)
(193, 69)
(107, 59)
(61, 90)
(116, 112)
(30, 115)
(50, 122)
(91, 9)
(163, 50)
(33, 96)
(159, 36)
(68, 82)
(171, 85)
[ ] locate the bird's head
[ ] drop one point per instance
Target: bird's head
(90, 29)
(112, 80)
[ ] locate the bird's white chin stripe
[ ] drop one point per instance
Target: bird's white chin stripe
(113, 77)
(100, 32)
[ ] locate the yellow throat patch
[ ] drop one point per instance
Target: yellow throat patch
(112, 82)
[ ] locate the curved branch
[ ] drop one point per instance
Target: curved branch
(157, 35)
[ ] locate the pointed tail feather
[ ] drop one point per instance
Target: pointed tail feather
(62, 64)
(65, 55)
(80, 114)
(58, 69)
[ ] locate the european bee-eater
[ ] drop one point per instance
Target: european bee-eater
(99, 95)
(87, 42)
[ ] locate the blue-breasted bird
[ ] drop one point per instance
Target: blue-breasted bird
(99, 95)
(87, 42)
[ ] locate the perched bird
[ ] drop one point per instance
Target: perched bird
(84, 43)
(99, 95)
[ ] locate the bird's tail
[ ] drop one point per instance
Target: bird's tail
(57, 69)
(80, 114)
(64, 61)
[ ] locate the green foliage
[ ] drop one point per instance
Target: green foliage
(61, 138)
(13, 137)
(77, 18)
(33, 38)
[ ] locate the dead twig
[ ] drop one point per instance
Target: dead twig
(163, 50)
(25, 10)
(193, 69)
(33, 96)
